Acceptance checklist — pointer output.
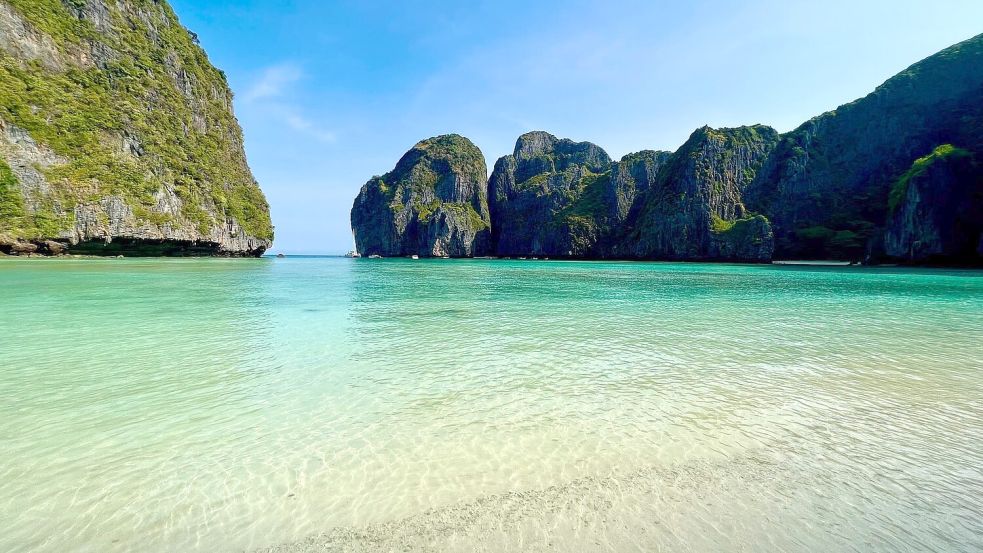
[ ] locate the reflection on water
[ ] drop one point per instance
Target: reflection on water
(335, 404)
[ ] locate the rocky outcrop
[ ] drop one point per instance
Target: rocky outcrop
(117, 136)
(849, 184)
(559, 198)
(544, 197)
(695, 209)
(936, 210)
(433, 204)
(826, 187)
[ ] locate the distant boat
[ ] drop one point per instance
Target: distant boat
(375, 256)
(280, 255)
(353, 254)
(414, 257)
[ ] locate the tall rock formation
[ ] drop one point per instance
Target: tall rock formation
(895, 176)
(543, 196)
(826, 187)
(935, 210)
(695, 208)
(433, 204)
(117, 136)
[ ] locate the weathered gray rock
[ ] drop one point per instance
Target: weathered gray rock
(694, 209)
(433, 204)
(936, 211)
(133, 142)
(543, 196)
(23, 41)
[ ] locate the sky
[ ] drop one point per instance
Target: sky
(330, 93)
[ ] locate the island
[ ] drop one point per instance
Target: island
(117, 136)
(894, 177)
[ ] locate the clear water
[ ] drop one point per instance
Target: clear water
(335, 404)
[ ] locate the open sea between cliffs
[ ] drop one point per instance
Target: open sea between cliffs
(330, 404)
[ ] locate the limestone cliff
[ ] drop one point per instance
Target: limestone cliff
(542, 196)
(433, 204)
(936, 210)
(117, 136)
(695, 209)
(894, 176)
(826, 187)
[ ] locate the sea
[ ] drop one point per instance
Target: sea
(312, 404)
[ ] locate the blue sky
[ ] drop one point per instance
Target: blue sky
(331, 93)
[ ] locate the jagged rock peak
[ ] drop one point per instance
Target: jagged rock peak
(434, 203)
(560, 153)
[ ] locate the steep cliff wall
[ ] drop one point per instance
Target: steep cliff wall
(434, 203)
(117, 136)
(826, 187)
(894, 176)
(542, 196)
(935, 210)
(695, 209)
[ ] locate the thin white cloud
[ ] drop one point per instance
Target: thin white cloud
(269, 95)
(306, 126)
(273, 82)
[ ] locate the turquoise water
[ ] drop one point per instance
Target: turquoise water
(449, 405)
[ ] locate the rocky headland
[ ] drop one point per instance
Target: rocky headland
(117, 136)
(896, 176)
(434, 203)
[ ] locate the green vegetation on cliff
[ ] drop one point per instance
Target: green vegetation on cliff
(133, 106)
(922, 164)
(421, 168)
(11, 202)
(588, 197)
(433, 203)
(739, 231)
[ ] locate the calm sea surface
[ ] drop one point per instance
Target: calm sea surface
(348, 405)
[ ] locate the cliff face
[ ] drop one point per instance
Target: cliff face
(826, 187)
(936, 210)
(433, 204)
(543, 195)
(117, 136)
(695, 209)
(894, 176)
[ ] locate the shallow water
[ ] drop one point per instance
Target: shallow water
(335, 404)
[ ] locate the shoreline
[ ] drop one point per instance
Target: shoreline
(789, 263)
(829, 263)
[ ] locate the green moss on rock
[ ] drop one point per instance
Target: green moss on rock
(920, 165)
(11, 203)
(133, 106)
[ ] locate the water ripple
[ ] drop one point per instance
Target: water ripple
(329, 404)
